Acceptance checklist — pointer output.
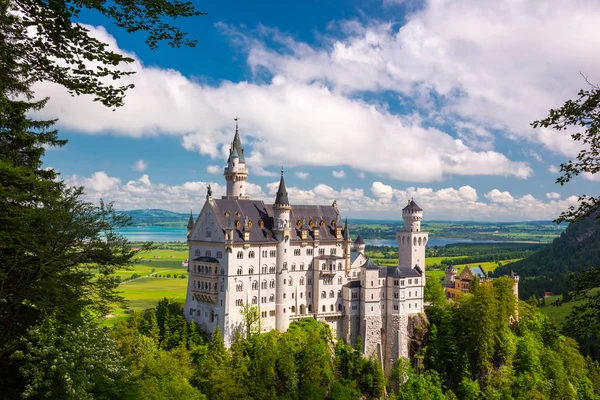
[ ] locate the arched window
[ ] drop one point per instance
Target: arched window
(239, 287)
(403, 240)
(293, 266)
(414, 241)
(302, 281)
(263, 284)
(339, 266)
(272, 283)
(272, 269)
(323, 266)
(331, 308)
(323, 295)
(323, 308)
(240, 255)
(301, 309)
(339, 307)
(251, 270)
(291, 281)
(340, 280)
(419, 241)
(310, 308)
(301, 294)
(240, 271)
(264, 269)
(331, 293)
(293, 309)
(251, 254)
(271, 298)
(254, 300)
(255, 285)
(301, 266)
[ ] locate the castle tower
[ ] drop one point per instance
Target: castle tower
(450, 276)
(347, 246)
(236, 173)
(281, 229)
(359, 244)
(411, 241)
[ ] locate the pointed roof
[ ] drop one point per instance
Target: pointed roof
(412, 206)
(191, 221)
(282, 194)
(359, 240)
(346, 230)
(236, 149)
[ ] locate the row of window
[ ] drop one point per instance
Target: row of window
(273, 253)
(202, 285)
(208, 253)
(416, 242)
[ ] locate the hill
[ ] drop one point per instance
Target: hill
(156, 216)
(548, 269)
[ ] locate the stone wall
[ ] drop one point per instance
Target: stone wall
(371, 332)
(350, 329)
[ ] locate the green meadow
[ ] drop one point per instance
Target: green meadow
(152, 284)
(487, 267)
(560, 313)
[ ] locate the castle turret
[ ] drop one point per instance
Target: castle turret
(236, 173)
(411, 241)
(190, 225)
(359, 244)
(281, 228)
(450, 276)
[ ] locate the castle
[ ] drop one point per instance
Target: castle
(455, 285)
(298, 261)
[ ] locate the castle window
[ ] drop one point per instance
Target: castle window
(354, 294)
(408, 305)
(219, 254)
(207, 253)
(251, 254)
(415, 305)
(251, 270)
(264, 253)
(322, 223)
(323, 266)
(371, 296)
(264, 269)
(309, 281)
(254, 300)
(197, 252)
(371, 308)
(250, 224)
(239, 302)
(309, 252)
(299, 224)
(301, 266)
(271, 270)
(263, 300)
(402, 282)
(255, 285)
(331, 308)
(264, 314)
(237, 223)
(339, 307)
(272, 283)
(263, 284)
(239, 271)
(227, 213)
(272, 253)
(293, 309)
(354, 308)
(323, 295)
(296, 252)
(311, 223)
(324, 308)
(284, 295)
(331, 294)
(410, 281)
(416, 281)
(238, 214)
(208, 232)
(302, 281)
(271, 298)
(291, 281)
(301, 295)
(371, 283)
(261, 224)
(321, 252)
(310, 308)
(293, 266)
(284, 265)
(240, 255)
(340, 280)
(239, 287)
(395, 295)
(212, 315)
(395, 307)
(339, 266)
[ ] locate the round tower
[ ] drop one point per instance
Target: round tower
(281, 228)
(450, 276)
(236, 173)
(359, 244)
(412, 215)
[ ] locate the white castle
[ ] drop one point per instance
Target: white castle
(298, 261)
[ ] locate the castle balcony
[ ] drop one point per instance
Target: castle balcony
(327, 273)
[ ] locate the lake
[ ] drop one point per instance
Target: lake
(170, 234)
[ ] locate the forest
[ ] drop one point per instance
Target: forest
(474, 349)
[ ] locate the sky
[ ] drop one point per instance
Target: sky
(370, 103)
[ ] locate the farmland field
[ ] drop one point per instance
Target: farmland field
(559, 314)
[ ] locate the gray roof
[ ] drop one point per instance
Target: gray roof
(412, 206)
(354, 255)
(346, 230)
(359, 240)
(399, 272)
(369, 264)
(479, 272)
(353, 284)
(236, 146)
(191, 221)
(282, 194)
(258, 211)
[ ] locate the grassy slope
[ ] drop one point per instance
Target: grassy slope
(559, 314)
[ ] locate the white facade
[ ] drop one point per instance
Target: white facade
(299, 261)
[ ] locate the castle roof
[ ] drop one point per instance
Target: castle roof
(346, 230)
(236, 147)
(301, 216)
(282, 194)
(206, 259)
(191, 221)
(359, 240)
(412, 206)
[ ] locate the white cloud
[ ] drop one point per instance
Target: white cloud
(496, 196)
(553, 195)
(592, 177)
(166, 102)
(214, 169)
(553, 169)
(385, 201)
(338, 174)
(497, 66)
(302, 175)
(140, 165)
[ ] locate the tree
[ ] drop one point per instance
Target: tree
(63, 51)
(251, 315)
(581, 117)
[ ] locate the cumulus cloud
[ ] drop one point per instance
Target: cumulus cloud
(302, 175)
(496, 196)
(364, 135)
(553, 169)
(338, 174)
(553, 195)
(214, 169)
(140, 165)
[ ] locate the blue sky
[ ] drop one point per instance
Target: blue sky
(367, 102)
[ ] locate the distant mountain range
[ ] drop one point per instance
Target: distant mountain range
(155, 216)
(548, 270)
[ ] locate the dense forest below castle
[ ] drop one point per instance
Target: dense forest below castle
(469, 350)
(531, 231)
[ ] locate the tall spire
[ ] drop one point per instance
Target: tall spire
(346, 230)
(237, 143)
(282, 195)
(190, 225)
